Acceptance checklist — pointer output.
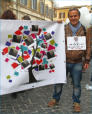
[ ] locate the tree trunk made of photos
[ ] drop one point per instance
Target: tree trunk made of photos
(31, 76)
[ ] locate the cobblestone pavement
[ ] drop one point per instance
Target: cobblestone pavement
(35, 101)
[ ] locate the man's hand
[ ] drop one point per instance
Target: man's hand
(86, 65)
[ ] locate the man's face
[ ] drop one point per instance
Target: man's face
(74, 17)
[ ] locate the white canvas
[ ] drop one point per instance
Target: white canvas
(9, 82)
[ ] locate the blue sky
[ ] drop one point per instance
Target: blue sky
(62, 3)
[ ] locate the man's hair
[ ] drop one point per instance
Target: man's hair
(26, 17)
(72, 9)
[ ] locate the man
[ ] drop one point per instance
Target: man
(74, 63)
(26, 17)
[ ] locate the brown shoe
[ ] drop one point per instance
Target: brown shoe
(52, 103)
(76, 107)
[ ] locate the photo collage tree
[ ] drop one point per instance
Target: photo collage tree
(30, 49)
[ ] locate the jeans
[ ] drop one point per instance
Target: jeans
(75, 70)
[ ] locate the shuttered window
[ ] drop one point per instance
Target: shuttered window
(42, 8)
(34, 4)
(24, 2)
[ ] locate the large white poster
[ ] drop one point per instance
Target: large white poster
(37, 47)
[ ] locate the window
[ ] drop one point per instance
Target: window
(0, 3)
(46, 11)
(55, 14)
(42, 8)
(34, 4)
(51, 13)
(14, 0)
(24, 2)
(0, 8)
(62, 15)
(91, 10)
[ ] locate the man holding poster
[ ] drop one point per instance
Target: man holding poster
(77, 41)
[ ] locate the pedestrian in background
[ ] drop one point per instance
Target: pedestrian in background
(89, 86)
(91, 67)
(74, 63)
(8, 14)
(90, 29)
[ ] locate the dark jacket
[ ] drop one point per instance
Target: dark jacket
(75, 56)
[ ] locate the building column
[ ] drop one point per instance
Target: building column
(29, 4)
